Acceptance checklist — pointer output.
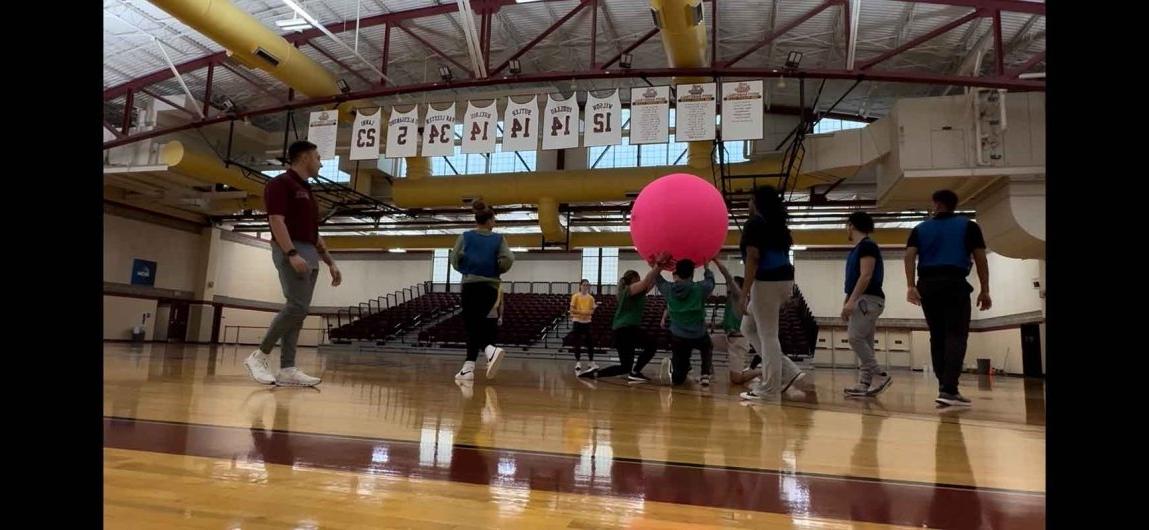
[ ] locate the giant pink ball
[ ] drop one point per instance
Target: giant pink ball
(680, 214)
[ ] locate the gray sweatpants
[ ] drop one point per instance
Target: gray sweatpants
(860, 329)
(297, 289)
(761, 326)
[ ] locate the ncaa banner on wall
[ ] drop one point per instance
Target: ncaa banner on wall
(321, 129)
(742, 104)
(650, 115)
(694, 118)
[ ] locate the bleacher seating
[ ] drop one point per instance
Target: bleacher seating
(398, 319)
(526, 317)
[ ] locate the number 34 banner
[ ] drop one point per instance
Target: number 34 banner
(439, 131)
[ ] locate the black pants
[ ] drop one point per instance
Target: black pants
(478, 299)
(628, 339)
(681, 349)
(945, 302)
(580, 331)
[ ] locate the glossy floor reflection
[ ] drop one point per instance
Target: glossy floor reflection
(539, 448)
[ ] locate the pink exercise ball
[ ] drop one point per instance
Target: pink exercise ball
(680, 214)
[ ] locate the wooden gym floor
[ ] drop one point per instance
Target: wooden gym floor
(391, 441)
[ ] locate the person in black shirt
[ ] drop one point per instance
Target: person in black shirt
(769, 282)
(864, 304)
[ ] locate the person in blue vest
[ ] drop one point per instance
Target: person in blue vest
(944, 248)
(865, 302)
(481, 256)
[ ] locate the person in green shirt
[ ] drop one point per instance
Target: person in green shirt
(627, 325)
(737, 344)
(686, 304)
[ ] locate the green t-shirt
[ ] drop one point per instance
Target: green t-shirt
(629, 311)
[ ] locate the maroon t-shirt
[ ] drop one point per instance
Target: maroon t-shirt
(290, 195)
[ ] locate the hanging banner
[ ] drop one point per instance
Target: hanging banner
(560, 123)
(479, 128)
(321, 129)
(742, 105)
(603, 119)
(402, 131)
(365, 136)
(521, 126)
(439, 131)
(649, 115)
(694, 115)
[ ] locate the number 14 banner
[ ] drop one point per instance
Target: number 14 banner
(603, 120)
(479, 128)
(560, 123)
(521, 126)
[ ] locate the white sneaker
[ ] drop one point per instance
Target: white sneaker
(256, 365)
(880, 383)
(578, 368)
(467, 372)
(591, 371)
(295, 377)
(494, 358)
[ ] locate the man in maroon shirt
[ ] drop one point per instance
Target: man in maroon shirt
(296, 251)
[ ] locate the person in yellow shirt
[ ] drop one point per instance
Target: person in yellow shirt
(582, 309)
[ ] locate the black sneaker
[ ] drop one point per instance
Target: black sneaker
(953, 400)
(637, 377)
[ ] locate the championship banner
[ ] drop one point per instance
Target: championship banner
(694, 118)
(650, 115)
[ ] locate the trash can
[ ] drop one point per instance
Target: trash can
(137, 333)
(983, 366)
